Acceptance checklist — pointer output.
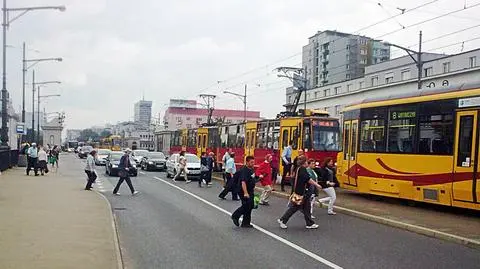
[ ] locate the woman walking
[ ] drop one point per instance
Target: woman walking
(264, 172)
(311, 188)
(299, 200)
(42, 161)
(328, 181)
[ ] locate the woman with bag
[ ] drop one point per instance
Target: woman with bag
(328, 181)
(90, 170)
(204, 168)
(299, 199)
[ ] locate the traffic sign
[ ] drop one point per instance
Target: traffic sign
(21, 128)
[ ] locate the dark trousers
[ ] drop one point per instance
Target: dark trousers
(230, 186)
(120, 181)
(207, 176)
(42, 167)
(32, 164)
(91, 179)
(246, 210)
(304, 207)
(286, 170)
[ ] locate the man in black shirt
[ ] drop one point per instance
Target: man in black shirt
(247, 180)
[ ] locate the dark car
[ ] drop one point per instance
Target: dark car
(113, 160)
(84, 151)
(154, 161)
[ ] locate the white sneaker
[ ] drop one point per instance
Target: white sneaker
(282, 225)
(313, 226)
(188, 181)
(312, 216)
(331, 213)
(117, 194)
(135, 193)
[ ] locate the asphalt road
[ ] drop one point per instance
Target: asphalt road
(178, 225)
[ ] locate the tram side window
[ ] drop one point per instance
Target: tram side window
(240, 136)
(372, 136)
(285, 138)
(401, 129)
(436, 134)
(224, 137)
(262, 135)
(232, 137)
(465, 141)
(295, 136)
(307, 138)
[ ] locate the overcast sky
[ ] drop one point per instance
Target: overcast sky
(115, 51)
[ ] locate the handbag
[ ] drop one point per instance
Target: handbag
(122, 173)
(296, 199)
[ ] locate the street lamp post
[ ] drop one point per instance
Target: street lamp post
(244, 100)
(418, 60)
(24, 71)
(38, 84)
(5, 23)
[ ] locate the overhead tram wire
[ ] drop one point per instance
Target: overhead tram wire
(358, 31)
(456, 43)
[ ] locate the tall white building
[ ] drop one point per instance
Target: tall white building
(143, 112)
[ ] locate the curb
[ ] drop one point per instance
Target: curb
(116, 240)
(393, 223)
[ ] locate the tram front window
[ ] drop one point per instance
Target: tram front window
(326, 138)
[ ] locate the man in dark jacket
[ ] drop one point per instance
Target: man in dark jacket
(247, 180)
(124, 166)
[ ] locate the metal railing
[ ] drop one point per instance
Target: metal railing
(8, 158)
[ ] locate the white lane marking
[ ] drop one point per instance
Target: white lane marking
(274, 236)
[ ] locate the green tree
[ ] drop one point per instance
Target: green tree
(89, 134)
(105, 133)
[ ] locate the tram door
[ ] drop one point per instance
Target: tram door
(251, 135)
(466, 167)
(350, 132)
(202, 136)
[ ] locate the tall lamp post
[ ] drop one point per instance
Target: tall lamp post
(38, 84)
(242, 97)
(5, 23)
(24, 73)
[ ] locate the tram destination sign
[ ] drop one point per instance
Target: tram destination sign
(469, 102)
(399, 115)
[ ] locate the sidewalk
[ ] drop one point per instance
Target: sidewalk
(51, 222)
(447, 223)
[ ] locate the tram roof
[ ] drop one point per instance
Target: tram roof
(452, 92)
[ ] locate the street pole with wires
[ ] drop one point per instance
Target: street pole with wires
(33, 105)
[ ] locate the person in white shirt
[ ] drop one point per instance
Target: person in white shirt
(42, 161)
(90, 169)
(182, 167)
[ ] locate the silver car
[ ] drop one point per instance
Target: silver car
(193, 165)
(102, 155)
(138, 155)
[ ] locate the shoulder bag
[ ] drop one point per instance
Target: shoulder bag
(296, 199)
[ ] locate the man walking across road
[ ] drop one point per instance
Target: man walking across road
(90, 170)
(230, 185)
(32, 159)
(124, 167)
(247, 179)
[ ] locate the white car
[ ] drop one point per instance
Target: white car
(193, 165)
(102, 155)
(138, 155)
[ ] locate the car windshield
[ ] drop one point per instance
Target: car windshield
(87, 148)
(140, 152)
(115, 157)
(103, 152)
(192, 159)
(156, 155)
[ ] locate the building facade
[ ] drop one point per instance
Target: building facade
(397, 76)
(143, 112)
(332, 57)
(187, 115)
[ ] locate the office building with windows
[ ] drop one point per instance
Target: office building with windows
(143, 112)
(332, 57)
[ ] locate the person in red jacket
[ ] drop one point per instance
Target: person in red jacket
(264, 172)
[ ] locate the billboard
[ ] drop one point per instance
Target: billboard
(182, 103)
